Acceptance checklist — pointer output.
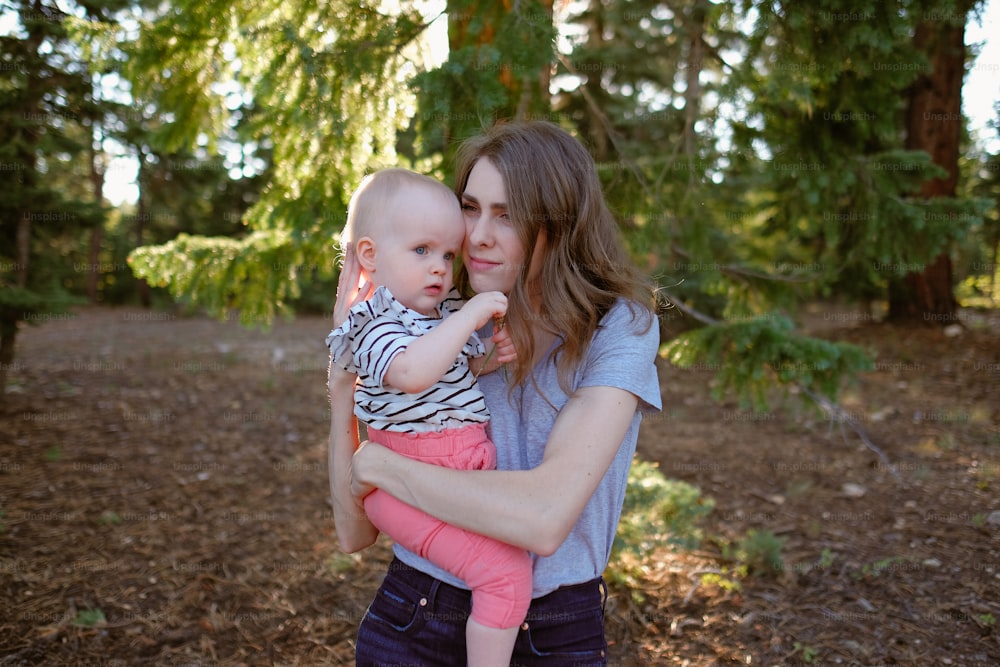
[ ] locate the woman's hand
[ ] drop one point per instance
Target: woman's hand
(350, 289)
(369, 454)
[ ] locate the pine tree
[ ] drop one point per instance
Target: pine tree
(330, 76)
(934, 125)
(45, 115)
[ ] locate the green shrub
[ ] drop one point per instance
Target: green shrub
(657, 513)
(760, 552)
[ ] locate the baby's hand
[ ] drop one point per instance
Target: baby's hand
(484, 307)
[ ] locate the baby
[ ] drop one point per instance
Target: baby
(414, 347)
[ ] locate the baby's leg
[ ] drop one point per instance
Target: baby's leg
(500, 578)
(489, 647)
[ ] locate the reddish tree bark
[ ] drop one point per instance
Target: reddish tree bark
(934, 125)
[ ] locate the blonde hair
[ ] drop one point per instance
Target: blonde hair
(377, 193)
(552, 188)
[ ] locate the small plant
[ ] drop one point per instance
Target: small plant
(809, 654)
(340, 563)
(53, 454)
(88, 618)
(987, 619)
(826, 558)
(760, 552)
(109, 518)
(726, 579)
(878, 567)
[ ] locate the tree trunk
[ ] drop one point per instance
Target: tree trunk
(694, 24)
(934, 124)
(475, 24)
(145, 296)
(97, 233)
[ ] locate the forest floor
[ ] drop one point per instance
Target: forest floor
(164, 501)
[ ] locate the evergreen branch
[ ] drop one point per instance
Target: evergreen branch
(730, 269)
(609, 130)
(688, 310)
(830, 408)
(736, 270)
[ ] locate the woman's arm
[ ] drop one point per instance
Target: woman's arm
(533, 509)
(354, 530)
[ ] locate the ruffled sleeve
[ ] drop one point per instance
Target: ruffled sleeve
(340, 341)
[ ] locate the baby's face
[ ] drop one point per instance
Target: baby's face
(417, 246)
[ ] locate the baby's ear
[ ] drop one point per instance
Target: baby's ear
(364, 249)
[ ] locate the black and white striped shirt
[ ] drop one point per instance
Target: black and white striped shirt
(374, 333)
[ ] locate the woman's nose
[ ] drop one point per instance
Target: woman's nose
(478, 233)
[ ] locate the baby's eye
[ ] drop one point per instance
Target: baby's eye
(449, 256)
(420, 250)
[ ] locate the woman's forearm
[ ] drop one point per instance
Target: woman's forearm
(533, 509)
(481, 501)
(354, 530)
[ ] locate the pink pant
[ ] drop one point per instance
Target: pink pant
(498, 573)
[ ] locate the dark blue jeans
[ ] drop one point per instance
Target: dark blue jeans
(418, 621)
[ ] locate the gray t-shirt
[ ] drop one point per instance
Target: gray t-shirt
(622, 355)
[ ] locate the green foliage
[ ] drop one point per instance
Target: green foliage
(726, 579)
(330, 78)
(256, 276)
(497, 57)
(657, 513)
(45, 117)
(750, 169)
(755, 356)
(759, 551)
(809, 654)
(90, 618)
(109, 518)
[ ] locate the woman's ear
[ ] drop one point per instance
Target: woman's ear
(364, 249)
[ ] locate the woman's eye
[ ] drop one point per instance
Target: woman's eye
(468, 208)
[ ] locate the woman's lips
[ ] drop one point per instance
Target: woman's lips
(478, 264)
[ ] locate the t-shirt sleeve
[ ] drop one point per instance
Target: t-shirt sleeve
(623, 354)
(377, 344)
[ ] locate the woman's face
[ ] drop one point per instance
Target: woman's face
(493, 252)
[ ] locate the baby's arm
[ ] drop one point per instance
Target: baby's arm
(429, 357)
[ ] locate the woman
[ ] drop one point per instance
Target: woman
(564, 416)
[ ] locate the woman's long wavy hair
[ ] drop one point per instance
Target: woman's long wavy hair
(552, 187)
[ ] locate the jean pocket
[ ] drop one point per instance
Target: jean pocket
(396, 607)
(568, 635)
